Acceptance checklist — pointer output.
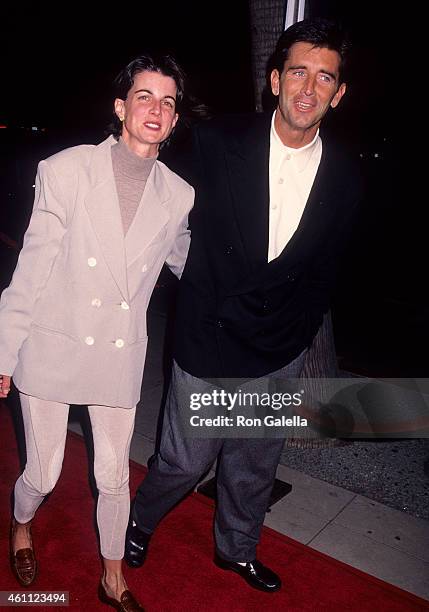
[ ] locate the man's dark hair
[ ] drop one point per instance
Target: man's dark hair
(319, 33)
(164, 64)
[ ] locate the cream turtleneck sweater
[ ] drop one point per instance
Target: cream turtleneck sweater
(131, 173)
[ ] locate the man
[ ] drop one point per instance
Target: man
(273, 205)
(73, 321)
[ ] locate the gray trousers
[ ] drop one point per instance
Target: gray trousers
(245, 476)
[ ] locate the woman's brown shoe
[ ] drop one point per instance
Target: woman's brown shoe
(22, 562)
(128, 602)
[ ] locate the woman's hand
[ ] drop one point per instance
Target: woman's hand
(4, 385)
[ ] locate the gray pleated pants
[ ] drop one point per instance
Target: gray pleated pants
(245, 477)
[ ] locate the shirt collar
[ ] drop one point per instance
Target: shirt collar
(300, 156)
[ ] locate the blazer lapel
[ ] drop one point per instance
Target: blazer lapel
(318, 219)
(317, 223)
(103, 209)
(151, 216)
(248, 165)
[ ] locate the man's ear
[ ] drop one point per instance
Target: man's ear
(275, 82)
(340, 93)
(119, 106)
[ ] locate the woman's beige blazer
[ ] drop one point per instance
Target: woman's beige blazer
(73, 320)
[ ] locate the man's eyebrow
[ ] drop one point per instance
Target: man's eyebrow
(328, 72)
(151, 93)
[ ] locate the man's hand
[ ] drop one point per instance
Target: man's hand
(4, 385)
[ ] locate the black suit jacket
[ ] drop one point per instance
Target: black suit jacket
(237, 314)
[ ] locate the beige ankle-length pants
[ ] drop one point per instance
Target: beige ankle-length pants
(45, 424)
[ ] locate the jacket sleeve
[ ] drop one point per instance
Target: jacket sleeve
(177, 257)
(41, 245)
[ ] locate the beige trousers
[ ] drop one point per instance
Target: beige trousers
(45, 424)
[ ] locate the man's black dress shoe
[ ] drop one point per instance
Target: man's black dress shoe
(136, 545)
(254, 573)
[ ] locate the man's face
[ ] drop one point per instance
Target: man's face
(307, 87)
(148, 114)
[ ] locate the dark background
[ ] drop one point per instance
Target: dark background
(57, 64)
(58, 61)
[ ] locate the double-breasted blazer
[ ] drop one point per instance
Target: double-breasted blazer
(73, 320)
(239, 315)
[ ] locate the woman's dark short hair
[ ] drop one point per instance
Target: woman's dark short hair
(318, 32)
(164, 64)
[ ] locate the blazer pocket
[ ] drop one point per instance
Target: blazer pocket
(49, 331)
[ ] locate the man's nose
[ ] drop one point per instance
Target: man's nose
(309, 86)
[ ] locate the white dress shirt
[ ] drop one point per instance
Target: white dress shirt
(292, 173)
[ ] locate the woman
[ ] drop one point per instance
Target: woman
(105, 219)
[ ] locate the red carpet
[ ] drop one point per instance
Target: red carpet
(179, 574)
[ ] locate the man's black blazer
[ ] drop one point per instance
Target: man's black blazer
(238, 315)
